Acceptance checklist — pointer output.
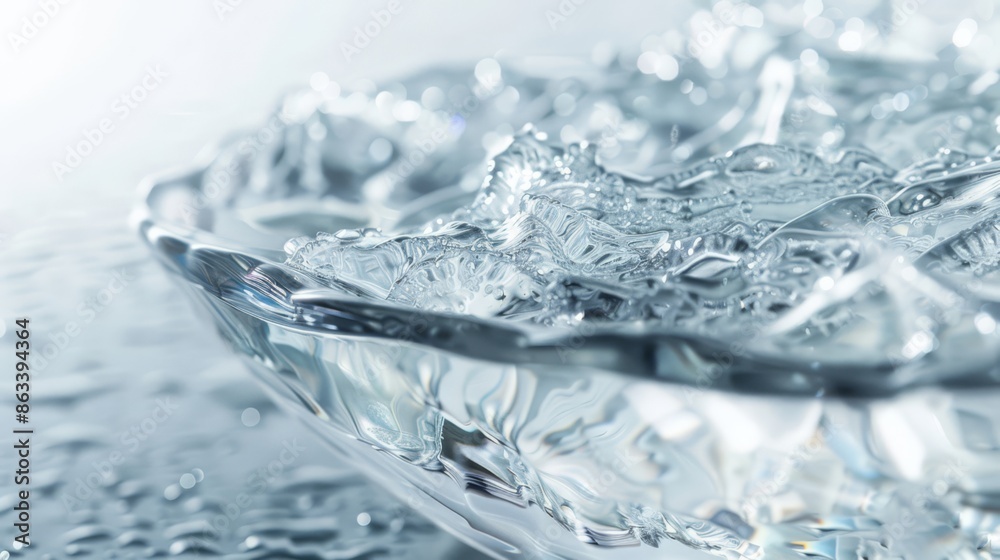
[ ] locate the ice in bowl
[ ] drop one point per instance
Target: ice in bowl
(604, 310)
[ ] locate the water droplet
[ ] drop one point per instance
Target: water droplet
(319, 81)
(187, 481)
(250, 417)
(172, 492)
(985, 323)
(918, 201)
(348, 234)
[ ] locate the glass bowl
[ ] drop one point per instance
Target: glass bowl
(540, 442)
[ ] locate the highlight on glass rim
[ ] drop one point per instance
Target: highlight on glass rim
(559, 279)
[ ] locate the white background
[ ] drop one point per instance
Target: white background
(226, 70)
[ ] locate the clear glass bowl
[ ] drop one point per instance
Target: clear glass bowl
(595, 442)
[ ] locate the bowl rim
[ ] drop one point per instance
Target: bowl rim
(642, 350)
